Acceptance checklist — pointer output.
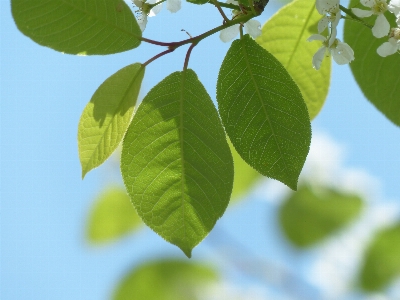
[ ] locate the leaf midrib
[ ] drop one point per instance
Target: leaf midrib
(246, 59)
(112, 119)
(183, 182)
(300, 37)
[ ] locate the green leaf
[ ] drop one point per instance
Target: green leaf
(107, 116)
(199, 2)
(285, 36)
(263, 112)
(112, 216)
(312, 214)
(82, 27)
(382, 260)
(176, 162)
(245, 176)
(378, 77)
(166, 280)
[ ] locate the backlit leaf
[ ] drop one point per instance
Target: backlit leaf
(176, 162)
(263, 112)
(82, 27)
(166, 280)
(285, 37)
(106, 117)
(245, 176)
(112, 216)
(378, 77)
(312, 214)
(382, 260)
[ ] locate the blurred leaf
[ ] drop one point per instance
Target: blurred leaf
(82, 27)
(382, 260)
(310, 215)
(112, 216)
(378, 77)
(245, 176)
(165, 280)
(285, 36)
(176, 163)
(106, 117)
(263, 112)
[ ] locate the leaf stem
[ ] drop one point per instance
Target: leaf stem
(252, 6)
(158, 56)
(215, 2)
(227, 5)
(197, 39)
(353, 16)
(185, 65)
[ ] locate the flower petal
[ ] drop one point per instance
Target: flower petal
(325, 6)
(318, 57)
(229, 33)
(173, 5)
(394, 7)
(342, 54)
(138, 3)
(381, 27)
(323, 23)
(316, 37)
(368, 3)
(142, 21)
(361, 13)
(253, 27)
(387, 48)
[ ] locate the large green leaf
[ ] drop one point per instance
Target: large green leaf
(382, 260)
(112, 216)
(285, 36)
(176, 162)
(378, 77)
(78, 27)
(166, 280)
(106, 117)
(310, 215)
(263, 112)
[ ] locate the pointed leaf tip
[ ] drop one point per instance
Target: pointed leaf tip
(176, 163)
(106, 117)
(263, 112)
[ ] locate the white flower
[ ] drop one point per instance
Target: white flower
(394, 7)
(331, 14)
(341, 52)
(147, 9)
(252, 27)
(392, 46)
(377, 7)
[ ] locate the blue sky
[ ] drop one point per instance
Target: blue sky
(44, 202)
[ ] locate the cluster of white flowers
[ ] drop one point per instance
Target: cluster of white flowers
(381, 27)
(252, 27)
(149, 8)
(342, 52)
